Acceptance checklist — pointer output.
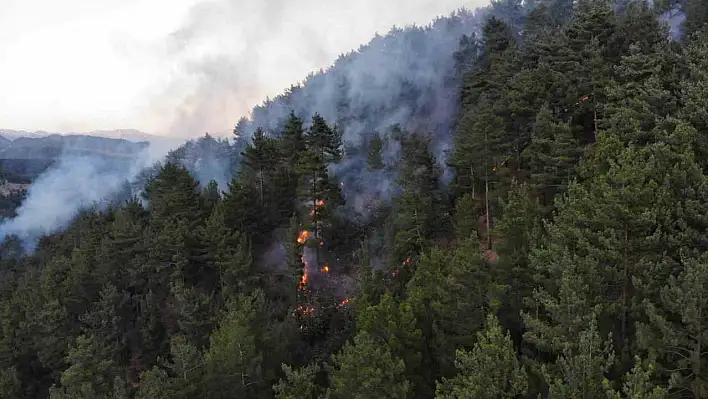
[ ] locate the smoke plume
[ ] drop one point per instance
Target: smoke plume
(407, 78)
(74, 183)
(229, 55)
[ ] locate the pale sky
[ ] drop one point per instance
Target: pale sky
(177, 67)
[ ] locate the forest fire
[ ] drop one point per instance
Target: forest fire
(303, 279)
(345, 301)
(318, 203)
(306, 310)
(325, 269)
(303, 236)
(407, 261)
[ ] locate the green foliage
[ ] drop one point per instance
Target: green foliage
(638, 384)
(366, 369)
(298, 384)
(233, 362)
(490, 370)
(91, 370)
(566, 259)
(582, 368)
(10, 384)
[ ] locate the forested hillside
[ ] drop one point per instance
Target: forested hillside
(529, 220)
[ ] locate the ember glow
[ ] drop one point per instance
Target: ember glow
(306, 310)
(303, 279)
(303, 236)
(325, 269)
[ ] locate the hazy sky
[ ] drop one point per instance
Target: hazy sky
(174, 66)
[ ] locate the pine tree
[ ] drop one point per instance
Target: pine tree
(450, 297)
(467, 211)
(609, 235)
(639, 26)
(10, 384)
(694, 88)
(518, 232)
(90, 373)
(638, 97)
(550, 157)
(394, 325)
(582, 369)
(489, 371)
(696, 18)
(180, 377)
(194, 311)
(107, 320)
(637, 384)
(292, 142)
(233, 363)
(366, 369)
(416, 210)
(210, 196)
(298, 383)
(173, 195)
(230, 254)
(679, 327)
(259, 164)
(318, 193)
(482, 134)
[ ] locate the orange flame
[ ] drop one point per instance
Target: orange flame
(344, 302)
(302, 237)
(325, 269)
(306, 310)
(303, 280)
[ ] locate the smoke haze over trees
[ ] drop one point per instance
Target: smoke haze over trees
(508, 203)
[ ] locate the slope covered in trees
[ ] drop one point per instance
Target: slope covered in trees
(564, 259)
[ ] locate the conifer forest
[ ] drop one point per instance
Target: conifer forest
(510, 202)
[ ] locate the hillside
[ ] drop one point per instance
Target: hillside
(55, 145)
(524, 216)
(24, 158)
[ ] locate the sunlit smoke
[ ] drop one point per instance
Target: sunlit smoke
(75, 183)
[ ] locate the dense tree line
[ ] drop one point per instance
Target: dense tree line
(566, 259)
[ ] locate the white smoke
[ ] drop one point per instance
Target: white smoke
(229, 55)
(74, 183)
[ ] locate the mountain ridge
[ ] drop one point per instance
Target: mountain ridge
(125, 134)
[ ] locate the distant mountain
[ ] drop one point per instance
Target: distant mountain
(126, 134)
(13, 134)
(56, 145)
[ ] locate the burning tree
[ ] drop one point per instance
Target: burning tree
(322, 313)
(318, 194)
